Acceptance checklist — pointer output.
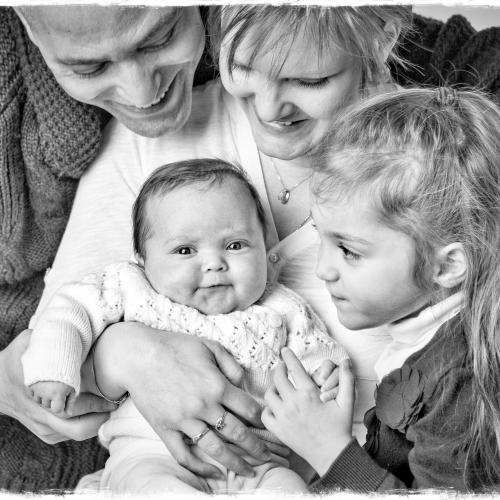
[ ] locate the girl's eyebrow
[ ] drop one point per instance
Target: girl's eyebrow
(348, 237)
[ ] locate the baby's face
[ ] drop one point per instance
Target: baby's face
(207, 247)
(367, 267)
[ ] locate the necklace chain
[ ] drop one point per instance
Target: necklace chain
(285, 192)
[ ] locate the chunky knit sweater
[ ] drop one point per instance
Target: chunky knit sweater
(47, 140)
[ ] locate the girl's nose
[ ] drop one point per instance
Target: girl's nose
(326, 269)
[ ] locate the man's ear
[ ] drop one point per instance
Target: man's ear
(450, 266)
(139, 259)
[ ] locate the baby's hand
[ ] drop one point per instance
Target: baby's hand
(51, 395)
(326, 377)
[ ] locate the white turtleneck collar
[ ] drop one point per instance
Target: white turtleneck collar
(412, 334)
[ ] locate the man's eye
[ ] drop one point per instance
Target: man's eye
(90, 71)
(235, 245)
(160, 44)
(184, 251)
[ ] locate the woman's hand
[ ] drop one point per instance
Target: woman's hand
(182, 383)
(81, 419)
(316, 431)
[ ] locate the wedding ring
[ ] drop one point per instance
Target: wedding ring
(195, 439)
(221, 422)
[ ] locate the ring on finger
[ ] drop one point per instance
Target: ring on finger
(220, 424)
(195, 439)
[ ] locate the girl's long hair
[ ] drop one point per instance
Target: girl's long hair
(430, 161)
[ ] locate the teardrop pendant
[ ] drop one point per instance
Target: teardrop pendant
(284, 196)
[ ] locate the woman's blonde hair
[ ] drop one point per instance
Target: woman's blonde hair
(360, 31)
(429, 160)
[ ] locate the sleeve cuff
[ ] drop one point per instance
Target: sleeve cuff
(353, 470)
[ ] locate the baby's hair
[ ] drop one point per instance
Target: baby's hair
(167, 178)
(429, 161)
(357, 30)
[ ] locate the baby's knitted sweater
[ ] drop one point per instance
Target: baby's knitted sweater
(75, 317)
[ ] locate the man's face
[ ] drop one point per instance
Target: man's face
(136, 63)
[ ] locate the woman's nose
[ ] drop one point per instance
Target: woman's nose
(139, 83)
(270, 104)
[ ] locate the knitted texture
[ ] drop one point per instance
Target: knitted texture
(79, 313)
(452, 53)
(46, 141)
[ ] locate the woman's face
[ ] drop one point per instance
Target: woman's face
(292, 109)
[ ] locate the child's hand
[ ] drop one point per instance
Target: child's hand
(326, 377)
(315, 430)
(51, 395)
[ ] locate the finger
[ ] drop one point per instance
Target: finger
(345, 397)
(77, 428)
(295, 369)
(268, 418)
(325, 370)
(58, 405)
(272, 399)
(184, 456)
(242, 404)
(332, 381)
(88, 403)
(227, 364)
(214, 447)
(234, 431)
(329, 395)
(283, 388)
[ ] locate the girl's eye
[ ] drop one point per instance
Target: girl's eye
(316, 83)
(184, 251)
(235, 245)
(348, 255)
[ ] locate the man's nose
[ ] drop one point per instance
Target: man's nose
(140, 83)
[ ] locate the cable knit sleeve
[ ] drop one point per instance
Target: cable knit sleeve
(73, 319)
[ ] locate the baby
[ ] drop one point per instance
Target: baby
(199, 238)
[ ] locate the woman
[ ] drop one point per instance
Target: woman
(288, 72)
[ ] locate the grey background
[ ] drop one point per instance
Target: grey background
(480, 17)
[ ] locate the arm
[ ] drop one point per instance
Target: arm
(192, 382)
(68, 327)
(84, 416)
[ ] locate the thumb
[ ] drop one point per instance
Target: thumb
(345, 397)
(227, 364)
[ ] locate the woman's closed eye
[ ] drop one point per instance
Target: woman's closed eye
(313, 83)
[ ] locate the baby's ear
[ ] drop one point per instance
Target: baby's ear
(450, 266)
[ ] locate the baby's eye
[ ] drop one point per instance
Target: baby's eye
(184, 251)
(235, 245)
(348, 254)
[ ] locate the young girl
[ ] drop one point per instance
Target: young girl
(407, 205)
(199, 237)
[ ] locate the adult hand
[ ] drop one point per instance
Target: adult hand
(183, 383)
(81, 419)
(315, 430)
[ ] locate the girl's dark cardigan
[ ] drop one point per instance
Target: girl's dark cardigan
(47, 140)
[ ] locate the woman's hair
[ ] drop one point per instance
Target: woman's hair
(357, 30)
(429, 161)
(167, 178)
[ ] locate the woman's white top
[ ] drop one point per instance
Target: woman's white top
(99, 231)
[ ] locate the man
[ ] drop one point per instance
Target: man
(63, 70)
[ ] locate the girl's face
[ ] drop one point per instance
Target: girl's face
(290, 112)
(367, 267)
